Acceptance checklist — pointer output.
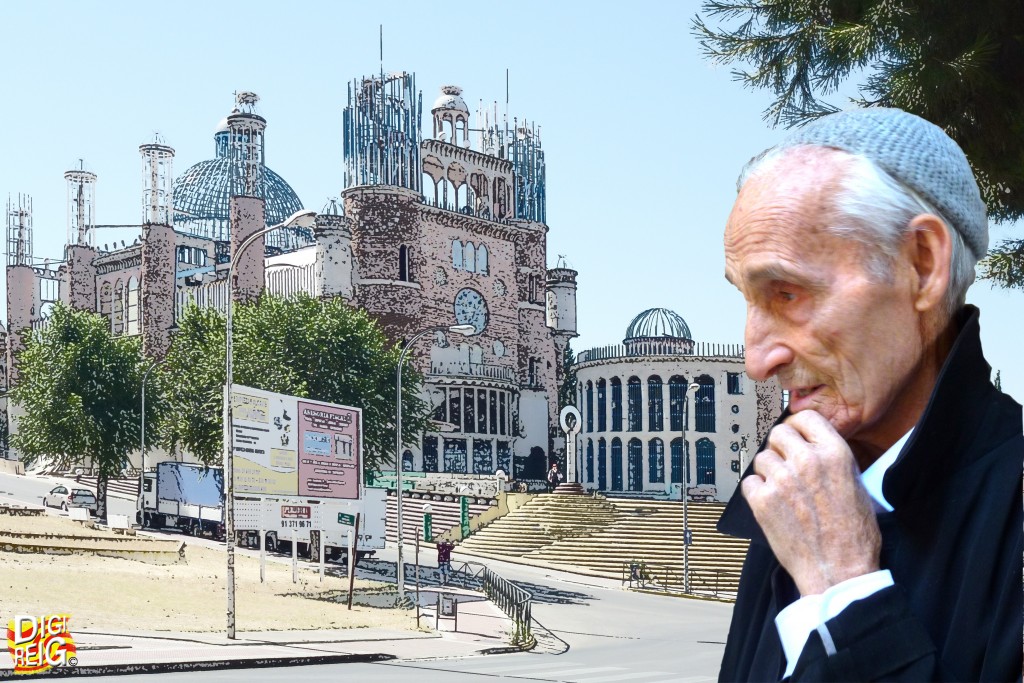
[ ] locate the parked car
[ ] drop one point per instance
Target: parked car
(61, 497)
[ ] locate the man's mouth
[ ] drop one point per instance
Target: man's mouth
(799, 396)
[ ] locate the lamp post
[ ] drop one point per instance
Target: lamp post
(302, 219)
(692, 387)
(142, 431)
(464, 330)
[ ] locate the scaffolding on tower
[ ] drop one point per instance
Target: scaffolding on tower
(19, 231)
(81, 206)
(382, 131)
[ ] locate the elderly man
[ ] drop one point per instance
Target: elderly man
(884, 509)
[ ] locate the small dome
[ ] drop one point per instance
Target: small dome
(451, 99)
(222, 127)
(655, 323)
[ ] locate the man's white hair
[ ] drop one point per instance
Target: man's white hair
(873, 208)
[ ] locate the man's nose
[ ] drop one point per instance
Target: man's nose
(766, 348)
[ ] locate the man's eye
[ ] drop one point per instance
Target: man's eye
(787, 296)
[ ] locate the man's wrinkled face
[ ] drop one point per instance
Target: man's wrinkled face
(842, 341)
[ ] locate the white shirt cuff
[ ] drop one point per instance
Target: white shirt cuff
(796, 621)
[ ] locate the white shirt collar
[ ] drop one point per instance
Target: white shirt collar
(872, 477)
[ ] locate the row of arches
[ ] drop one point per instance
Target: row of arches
(120, 304)
(470, 258)
(596, 397)
(604, 466)
(454, 188)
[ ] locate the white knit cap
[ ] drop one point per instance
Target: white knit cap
(916, 153)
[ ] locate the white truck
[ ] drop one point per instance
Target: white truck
(185, 496)
(284, 518)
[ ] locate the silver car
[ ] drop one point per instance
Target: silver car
(61, 497)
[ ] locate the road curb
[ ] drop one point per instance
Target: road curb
(171, 667)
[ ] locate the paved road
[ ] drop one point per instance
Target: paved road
(589, 631)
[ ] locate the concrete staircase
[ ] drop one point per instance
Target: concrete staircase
(599, 536)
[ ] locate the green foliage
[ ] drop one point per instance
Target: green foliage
(959, 65)
(1005, 264)
(567, 390)
(79, 390)
(321, 350)
(193, 381)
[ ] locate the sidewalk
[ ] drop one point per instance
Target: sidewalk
(482, 629)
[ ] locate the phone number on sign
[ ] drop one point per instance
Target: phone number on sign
(296, 524)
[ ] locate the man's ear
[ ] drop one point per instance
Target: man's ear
(930, 253)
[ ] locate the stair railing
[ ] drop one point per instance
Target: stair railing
(513, 601)
(707, 582)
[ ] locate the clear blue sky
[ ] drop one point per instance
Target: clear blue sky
(643, 137)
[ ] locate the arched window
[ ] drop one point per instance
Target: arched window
(118, 327)
(407, 460)
(602, 405)
(616, 404)
(655, 407)
(656, 461)
(469, 258)
(403, 264)
(131, 304)
(590, 406)
(705, 461)
(680, 454)
(636, 465)
(457, 254)
(590, 461)
(602, 465)
(481, 260)
(634, 406)
(107, 302)
(704, 404)
(429, 186)
(616, 465)
(676, 403)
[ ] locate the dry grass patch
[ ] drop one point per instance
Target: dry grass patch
(120, 595)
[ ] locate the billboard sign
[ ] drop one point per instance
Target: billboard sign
(289, 446)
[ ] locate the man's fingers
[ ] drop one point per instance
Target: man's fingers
(813, 427)
(766, 462)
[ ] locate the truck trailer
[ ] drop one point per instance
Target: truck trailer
(185, 496)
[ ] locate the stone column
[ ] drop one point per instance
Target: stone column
(81, 277)
(158, 288)
(248, 216)
(334, 267)
(22, 305)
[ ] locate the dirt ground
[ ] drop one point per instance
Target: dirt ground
(124, 595)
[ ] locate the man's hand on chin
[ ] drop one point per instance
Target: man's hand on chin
(807, 496)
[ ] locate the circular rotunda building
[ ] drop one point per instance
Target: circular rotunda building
(660, 403)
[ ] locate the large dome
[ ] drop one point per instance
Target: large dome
(658, 323)
(202, 198)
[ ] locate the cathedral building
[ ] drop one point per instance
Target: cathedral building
(430, 232)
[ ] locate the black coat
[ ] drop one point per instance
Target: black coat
(953, 544)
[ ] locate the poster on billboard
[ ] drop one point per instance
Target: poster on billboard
(287, 446)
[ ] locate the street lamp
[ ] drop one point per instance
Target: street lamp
(302, 219)
(142, 432)
(464, 330)
(692, 387)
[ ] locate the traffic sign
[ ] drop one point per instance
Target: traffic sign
(687, 537)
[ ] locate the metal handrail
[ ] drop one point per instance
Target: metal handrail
(513, 601)
(508, 597)
(641, 574)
